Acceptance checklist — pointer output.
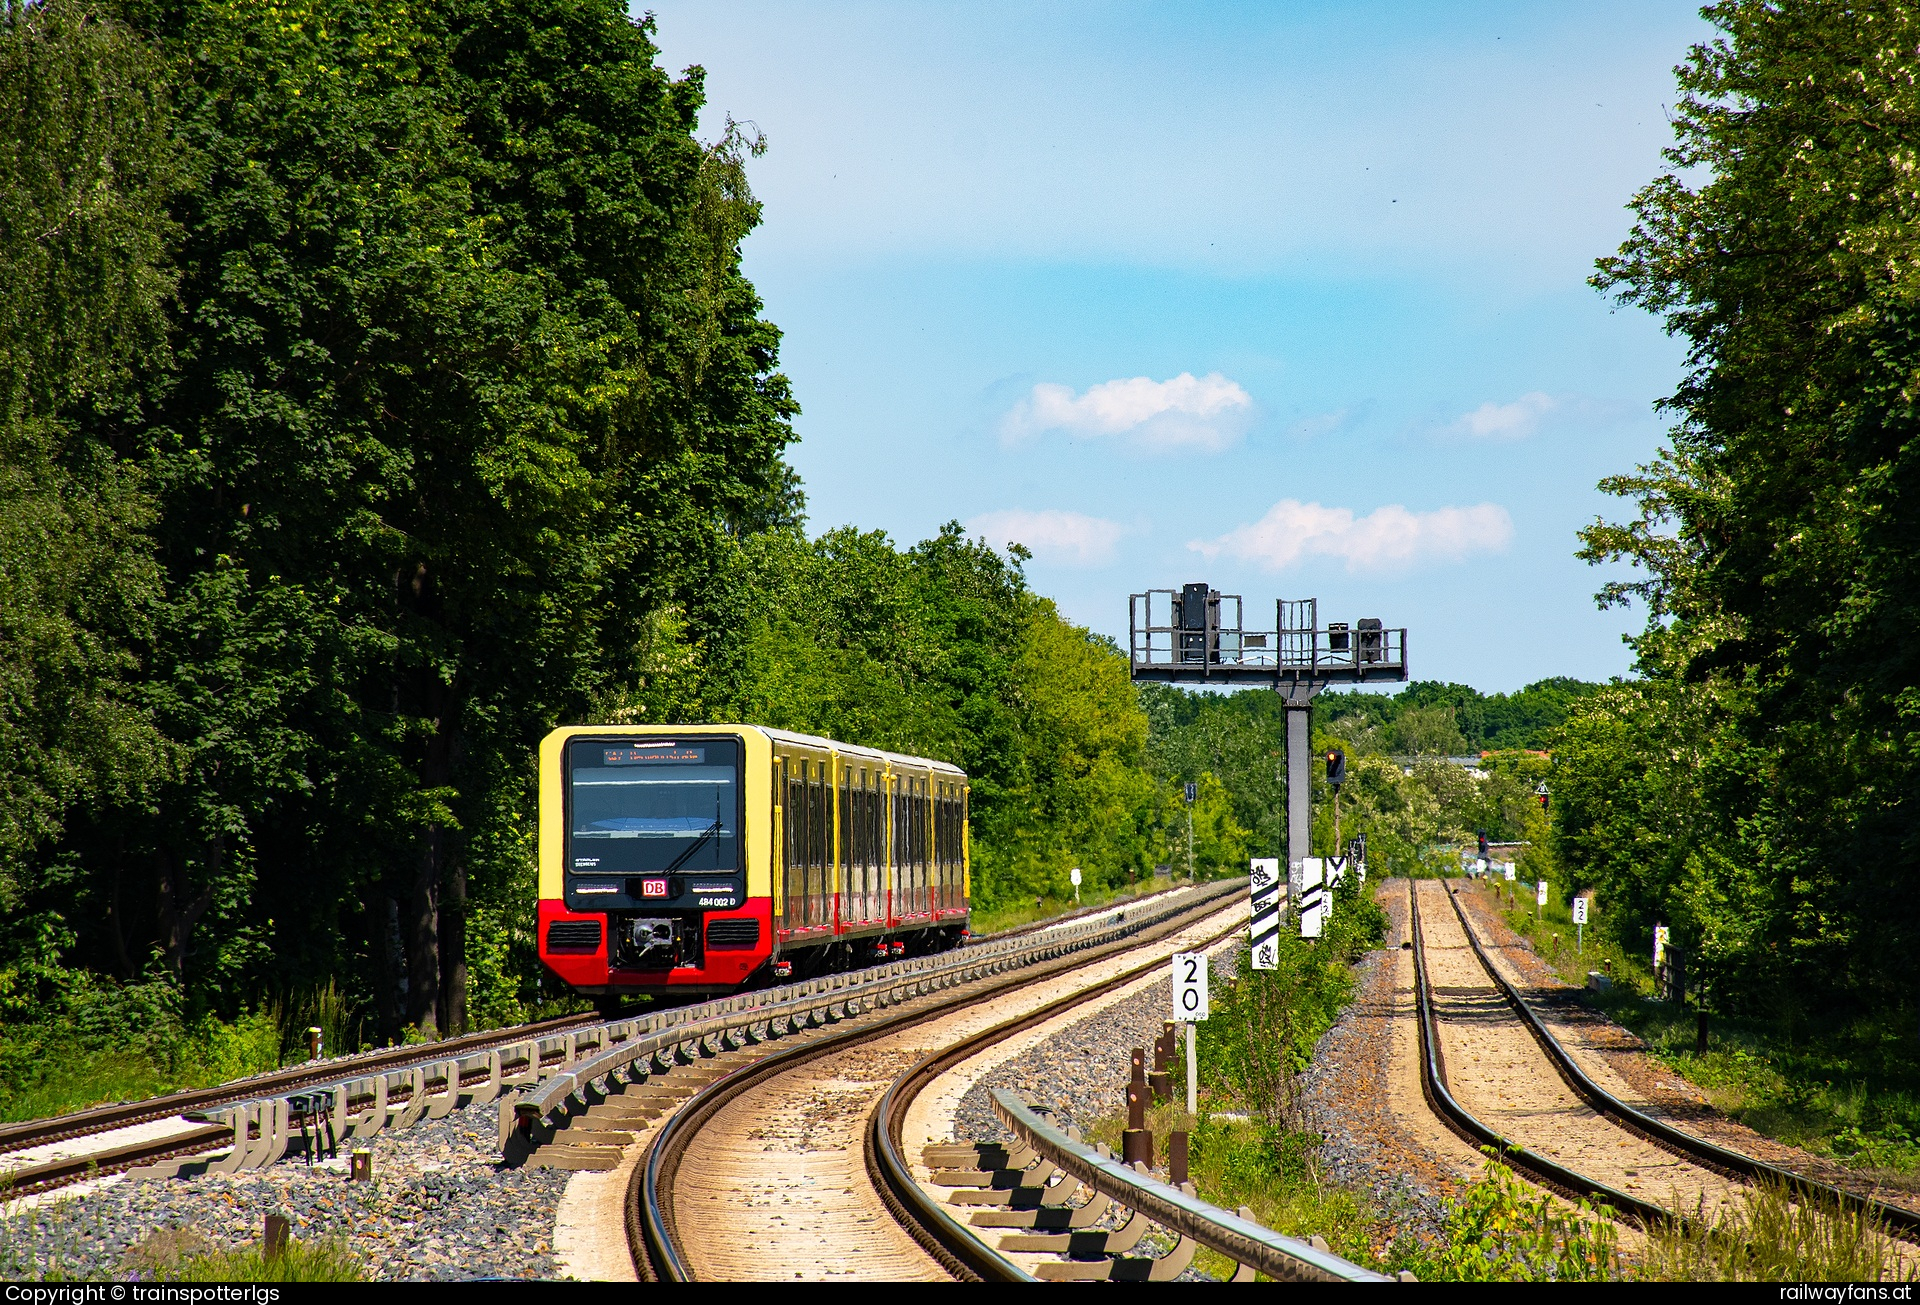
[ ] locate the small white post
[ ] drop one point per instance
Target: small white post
(1193, 1073)
(1190, 1007)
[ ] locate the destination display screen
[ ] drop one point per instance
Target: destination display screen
(669, 755)
(651, 809)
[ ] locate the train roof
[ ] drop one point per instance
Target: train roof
(855, 750)
(778, 736)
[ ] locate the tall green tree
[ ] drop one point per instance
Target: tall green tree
(86, 171)
(1777, 530)
(466, 385)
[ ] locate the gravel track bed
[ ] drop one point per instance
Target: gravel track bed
(1082, 1073)
(1344, 1099)
(440, 1208)
(1671, 1096)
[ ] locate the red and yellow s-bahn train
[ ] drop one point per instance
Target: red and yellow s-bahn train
(705, 858)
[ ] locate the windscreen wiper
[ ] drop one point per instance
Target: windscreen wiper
(698, 843)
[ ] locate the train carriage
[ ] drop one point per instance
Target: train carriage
(706, 858)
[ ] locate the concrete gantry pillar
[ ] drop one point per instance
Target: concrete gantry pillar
(1299, 784)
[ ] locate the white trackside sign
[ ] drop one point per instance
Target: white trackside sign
(1580, 910)
(1540, 893)
(1316, 903)
(1189, 986)
(1264, 885)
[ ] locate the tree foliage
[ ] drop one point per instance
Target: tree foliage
(405, 355)
(1757, 789)
(86, 171)
(1413, 805)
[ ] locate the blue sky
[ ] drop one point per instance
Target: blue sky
(1287, 298)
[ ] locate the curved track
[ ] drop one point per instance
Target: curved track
(1493, 1071)
(110, 1139)
(792, 1165)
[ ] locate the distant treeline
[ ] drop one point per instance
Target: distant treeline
(1402, 792)
(1429, 717)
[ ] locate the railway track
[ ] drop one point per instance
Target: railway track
(798, 1163)
(125, 1114)
(39, 1156)
(48, 1154)
(1494, 1072)
(767, 1170)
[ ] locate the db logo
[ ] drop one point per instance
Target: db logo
(653, 888)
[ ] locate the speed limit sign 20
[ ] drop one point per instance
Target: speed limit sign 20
(1189, 986)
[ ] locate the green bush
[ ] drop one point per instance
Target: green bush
(1500, 1233)
(1265, 1023)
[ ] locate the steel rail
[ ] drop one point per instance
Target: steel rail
(743, 1013)
(1282, 1258)
(1433, 1085)
(26, 1134)
(101, 1119)
(653, 1236)
(1077, 913)
(349, 1075)
(932, 1225)
(1906, 1223)
(30, 1180)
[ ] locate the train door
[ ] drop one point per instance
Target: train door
(858, 896)
(870, 857)
(966, 852)
(797, 842)
(925, 807)
(808, 821)
(917, 841)
(942, 847)
(842, 903)
(820, 855)
(890, 846)
(780, 854)
(956, 850)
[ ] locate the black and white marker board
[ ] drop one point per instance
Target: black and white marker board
(1189, 986)
(1264, 885)
(1189, 1008)
(1309, 876)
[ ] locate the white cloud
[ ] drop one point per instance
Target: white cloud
(1506, 421)
(1387, 538)
(1207, 413)
(1053, 535)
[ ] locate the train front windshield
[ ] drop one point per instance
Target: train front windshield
(653, 807)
